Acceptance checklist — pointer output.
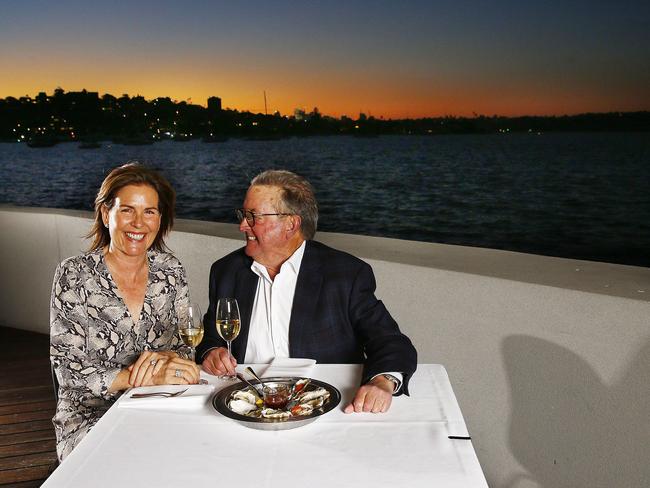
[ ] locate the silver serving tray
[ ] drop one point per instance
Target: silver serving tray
(220, 403)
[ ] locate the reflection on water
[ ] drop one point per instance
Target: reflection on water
(571, 195)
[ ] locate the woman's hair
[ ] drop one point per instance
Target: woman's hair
(133, 173)
(297, 197)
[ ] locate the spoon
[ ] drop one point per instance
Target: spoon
(257, 393)
(250, 371)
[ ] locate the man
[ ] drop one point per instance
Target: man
(300, 298)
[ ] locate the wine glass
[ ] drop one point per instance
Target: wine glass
(190, 327)
(228, 324)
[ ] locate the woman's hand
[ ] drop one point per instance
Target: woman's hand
(148, 365)
(175, 371)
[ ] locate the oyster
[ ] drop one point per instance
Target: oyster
(313, 394)
(316, 402)
(299, 386)
(271, 413)
(242, 407)
(244, 395)
(303, 409)
(244, 402)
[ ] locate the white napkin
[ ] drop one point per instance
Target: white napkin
(194, 398)
(215, 381)
(301, 367)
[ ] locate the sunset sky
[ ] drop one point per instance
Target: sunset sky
(385, 58)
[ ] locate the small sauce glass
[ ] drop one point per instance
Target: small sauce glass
(276, 395)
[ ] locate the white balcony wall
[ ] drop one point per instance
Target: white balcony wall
(549, 358)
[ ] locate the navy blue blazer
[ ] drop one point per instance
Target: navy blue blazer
(335, 317)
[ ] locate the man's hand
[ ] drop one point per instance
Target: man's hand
(218, 362)
(375, 396)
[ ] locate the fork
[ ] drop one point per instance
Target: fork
(164, 394)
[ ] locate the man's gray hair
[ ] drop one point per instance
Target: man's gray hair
(297, 197)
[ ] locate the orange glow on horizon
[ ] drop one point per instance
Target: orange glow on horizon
(335, 92)
(377, 100)
(350, 105)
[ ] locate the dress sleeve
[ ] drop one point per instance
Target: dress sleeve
(69, 322)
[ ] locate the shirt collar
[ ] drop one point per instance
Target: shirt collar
(293, 263)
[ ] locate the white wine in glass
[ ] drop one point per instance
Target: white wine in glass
(228, 329)
(228, 324)
(190, 327)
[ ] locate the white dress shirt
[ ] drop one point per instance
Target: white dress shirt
(268, 336)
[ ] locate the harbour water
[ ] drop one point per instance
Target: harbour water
(575, 195)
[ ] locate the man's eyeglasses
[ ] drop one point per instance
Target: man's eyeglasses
(250, 216)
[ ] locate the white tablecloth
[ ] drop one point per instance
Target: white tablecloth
(407, 446)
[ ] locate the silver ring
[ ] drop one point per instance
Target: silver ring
(178, 373)
(153, 362)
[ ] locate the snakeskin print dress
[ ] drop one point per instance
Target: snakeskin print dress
(93, 336)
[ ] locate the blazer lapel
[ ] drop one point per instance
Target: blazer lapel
(305, 299)
(245, 287)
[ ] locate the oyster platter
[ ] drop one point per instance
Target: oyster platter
(304, 400)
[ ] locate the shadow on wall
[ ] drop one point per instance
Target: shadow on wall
(568, 428)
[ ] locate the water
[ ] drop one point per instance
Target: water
(576, 195)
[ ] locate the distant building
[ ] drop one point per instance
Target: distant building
(83, 96)
(214, 104)
(299, 113)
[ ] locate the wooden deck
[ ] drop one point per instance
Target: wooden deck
(27, 441)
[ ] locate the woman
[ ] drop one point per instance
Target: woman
(114, 309)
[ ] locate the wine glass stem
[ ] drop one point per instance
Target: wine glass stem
(192, 354)
(229, 351)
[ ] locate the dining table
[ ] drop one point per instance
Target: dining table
(422, 441)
